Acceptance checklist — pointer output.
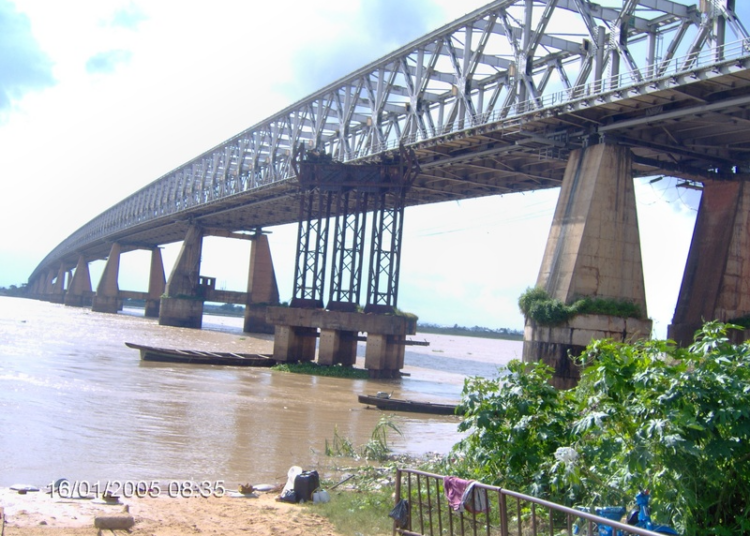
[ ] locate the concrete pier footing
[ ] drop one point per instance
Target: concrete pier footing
(553, 345)
(593, 250)
(337, 347)
(297, 330)
(294, 343)
(181, 312)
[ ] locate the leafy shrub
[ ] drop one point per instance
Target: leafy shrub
(377, 448)
(538, 306)
(644, 415)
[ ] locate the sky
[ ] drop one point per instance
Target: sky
(100, 97)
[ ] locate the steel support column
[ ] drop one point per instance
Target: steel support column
(349, 238)
(312, 248)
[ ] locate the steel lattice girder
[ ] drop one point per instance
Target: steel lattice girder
(504, 60)
(350, 187)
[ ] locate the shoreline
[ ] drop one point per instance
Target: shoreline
(37, 513)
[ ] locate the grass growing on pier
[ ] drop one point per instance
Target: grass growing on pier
(537, 305)
(334, 371)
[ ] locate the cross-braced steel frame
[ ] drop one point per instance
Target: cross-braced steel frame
(348, 250)
(354, 190)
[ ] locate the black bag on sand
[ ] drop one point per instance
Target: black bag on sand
(305, 484)
(289, 496)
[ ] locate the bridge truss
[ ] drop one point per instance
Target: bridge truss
(492, 103)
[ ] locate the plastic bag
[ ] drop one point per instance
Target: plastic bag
(400, 513)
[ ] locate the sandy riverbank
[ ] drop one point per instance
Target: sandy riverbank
(37, 513)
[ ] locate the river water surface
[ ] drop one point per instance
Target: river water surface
(75, 402)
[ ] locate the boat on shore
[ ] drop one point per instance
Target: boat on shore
(198, 357)
(396, 404)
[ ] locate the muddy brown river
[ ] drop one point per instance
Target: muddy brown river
(75, 402)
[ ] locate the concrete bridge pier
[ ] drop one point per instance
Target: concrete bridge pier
(182, 304)
(716, 282)
(80, 294)
(593, 249)
(157, 284)
(297, 328)
(48, 285)
(39, 286)
(36, 288)
(107, 298)
(262, 290)
(56, 288)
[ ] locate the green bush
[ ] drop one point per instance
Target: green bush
(644, 415)
(537, 305)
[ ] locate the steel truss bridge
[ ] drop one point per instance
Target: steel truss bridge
(492, 103)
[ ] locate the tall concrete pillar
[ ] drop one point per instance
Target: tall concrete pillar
(157, 284)
(593, 250)
(716, 282)
(33, 286)
(107, 297)
(49, 284)
(37, 286)
(182, 304)
(262, 289)
(80, 294)
(57, 290)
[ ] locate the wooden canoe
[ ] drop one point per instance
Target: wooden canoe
(196, 357)
(397, 404)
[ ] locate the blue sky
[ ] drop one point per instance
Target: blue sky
(100, 97)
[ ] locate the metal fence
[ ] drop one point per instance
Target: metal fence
(496, 512)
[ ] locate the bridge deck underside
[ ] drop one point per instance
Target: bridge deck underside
(694, 128)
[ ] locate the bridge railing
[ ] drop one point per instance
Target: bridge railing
(497, 512)
(621, 84)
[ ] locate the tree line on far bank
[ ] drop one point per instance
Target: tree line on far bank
(13, 290)
(229, 309)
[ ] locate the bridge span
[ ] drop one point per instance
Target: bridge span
(517, 96)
